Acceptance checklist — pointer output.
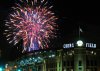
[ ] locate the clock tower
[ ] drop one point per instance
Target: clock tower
(79, 56)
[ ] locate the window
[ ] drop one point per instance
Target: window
(95, 63)
(72, 63)
(68, 63)
(68, 69)
(87, 63)
(80, 63)
(80, 69)
(91, 62)
(64, 63)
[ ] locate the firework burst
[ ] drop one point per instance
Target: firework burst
(32, 21)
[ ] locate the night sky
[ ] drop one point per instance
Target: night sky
(70, 17)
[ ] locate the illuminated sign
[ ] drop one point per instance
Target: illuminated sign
(91, 45)
(72, 45)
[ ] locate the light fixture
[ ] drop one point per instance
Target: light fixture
(79, 43)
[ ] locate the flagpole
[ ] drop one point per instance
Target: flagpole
(79, 32)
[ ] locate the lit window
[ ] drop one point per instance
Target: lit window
(94, 45)
(72, 45)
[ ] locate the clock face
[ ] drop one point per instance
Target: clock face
(79, 43)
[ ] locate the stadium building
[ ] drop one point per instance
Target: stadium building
(78, 56)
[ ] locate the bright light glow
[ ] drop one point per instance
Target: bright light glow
(6, 65)
(50, 56)
(79, 43)
(35, 60)
(39, 57)
(95, 53)
(53, 55)
(70, 53)
(33, 22)
(19, 70)
(1, 69)
(92, 52)
(30, 61)
(15, 66)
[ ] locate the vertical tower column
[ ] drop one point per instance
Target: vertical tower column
(59, 60)
(79, 59)
(44, 65)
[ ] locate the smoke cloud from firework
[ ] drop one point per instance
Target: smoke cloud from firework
(32, 21)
